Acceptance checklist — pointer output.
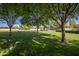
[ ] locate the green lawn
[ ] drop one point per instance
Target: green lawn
(47, 43)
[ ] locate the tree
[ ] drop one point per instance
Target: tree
(38, 10)
(59, 13)
(9, 15)
(34, 16)
(35, 20)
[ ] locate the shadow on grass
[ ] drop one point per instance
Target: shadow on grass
(76, 32)
(28, 44)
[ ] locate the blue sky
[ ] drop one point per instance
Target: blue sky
(18, 20)
(77, 21)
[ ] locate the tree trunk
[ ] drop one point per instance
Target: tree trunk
(63, 33)
(10, 33)
(44, 28)
(37, 28)
(37, 24)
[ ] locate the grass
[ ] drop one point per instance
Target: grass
(26, 43)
